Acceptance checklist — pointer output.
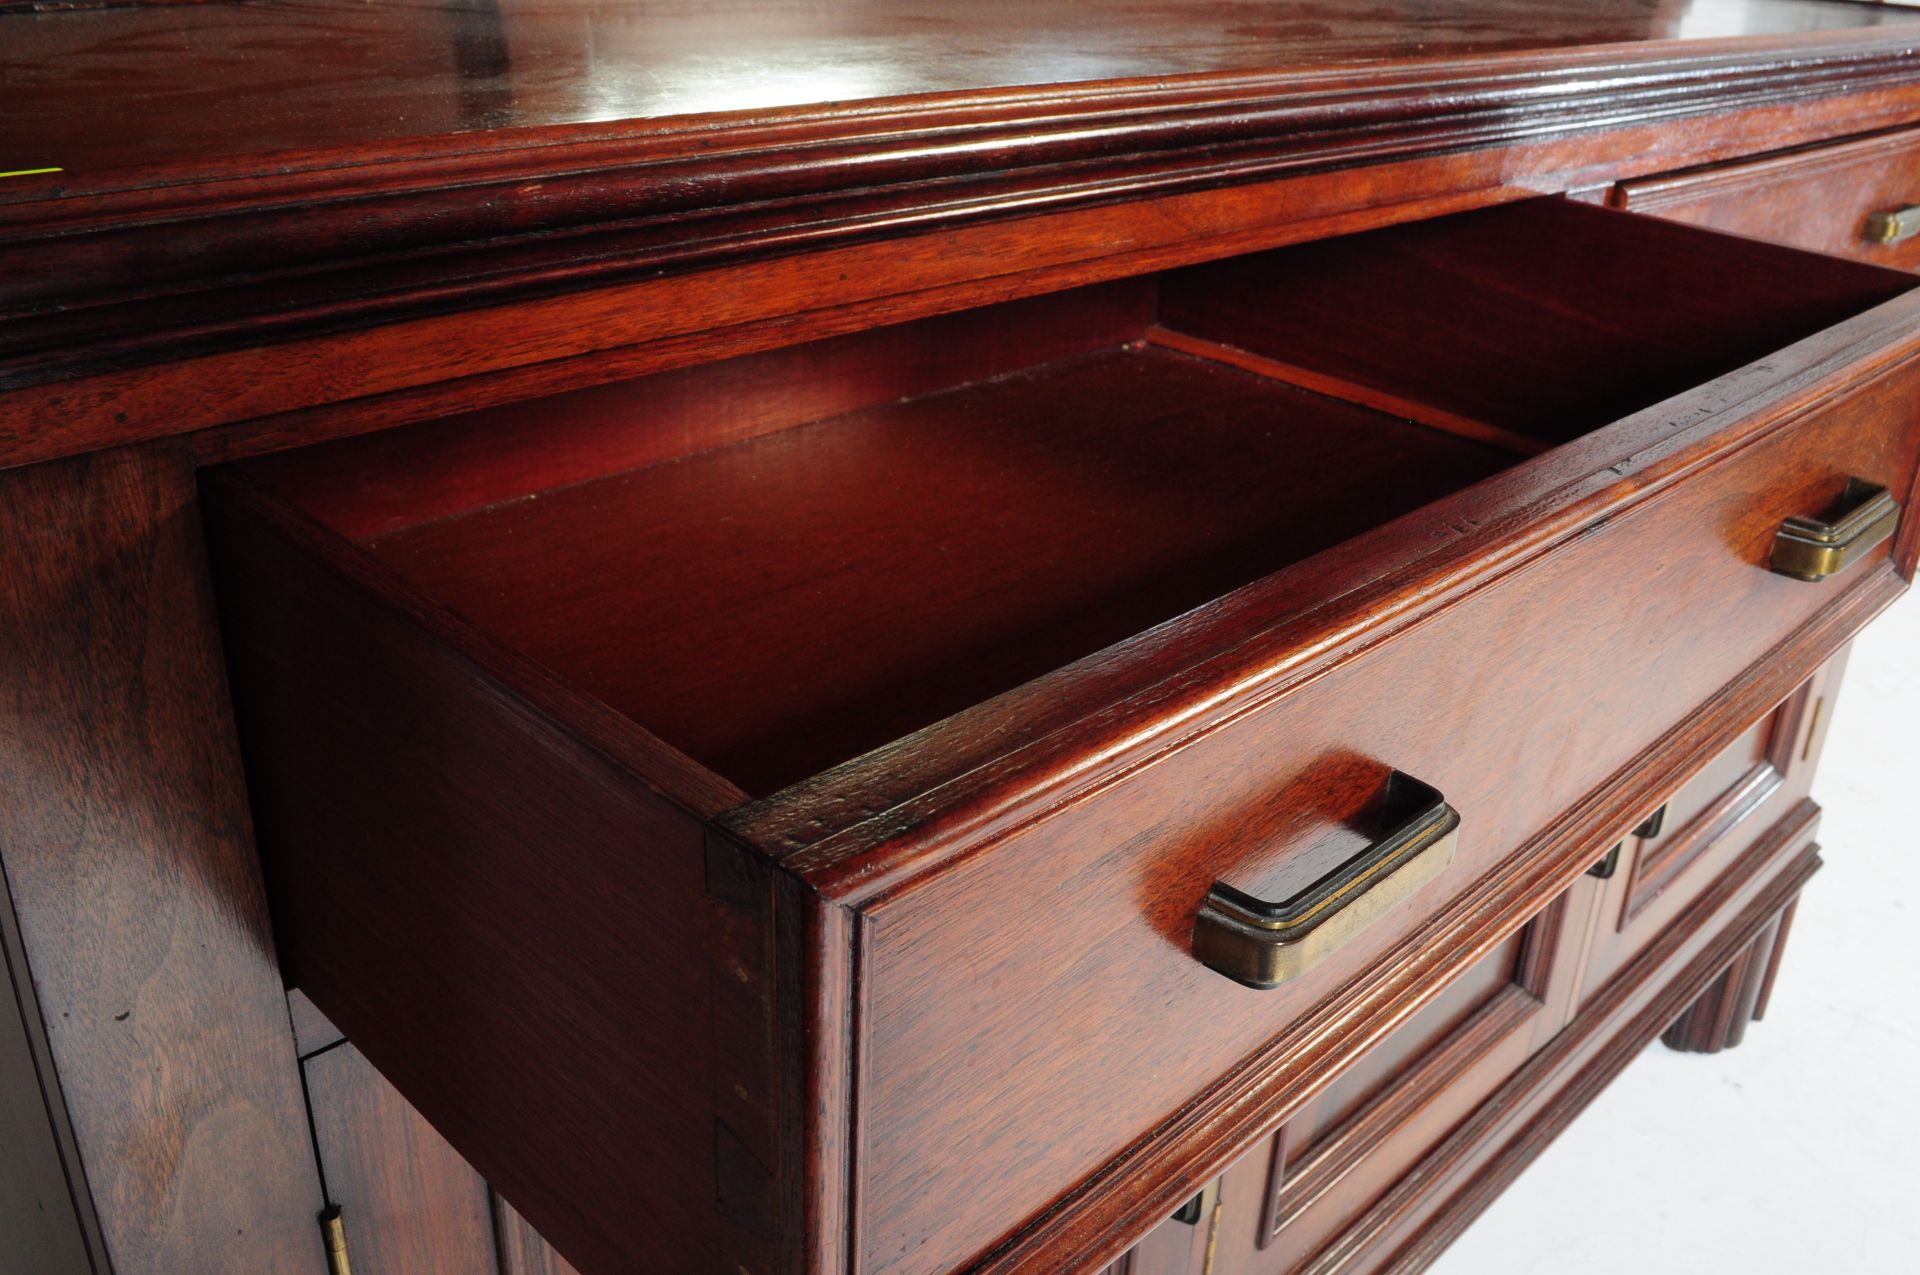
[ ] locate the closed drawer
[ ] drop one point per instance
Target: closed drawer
(1841, 199)
(804, 774)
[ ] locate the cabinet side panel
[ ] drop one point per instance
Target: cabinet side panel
(129, 858)
(524, 954)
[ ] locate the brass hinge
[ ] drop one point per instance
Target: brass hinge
(335, 1232)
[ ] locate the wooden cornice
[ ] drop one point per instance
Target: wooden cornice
(129, 268)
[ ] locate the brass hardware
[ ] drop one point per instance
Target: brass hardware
(1897, 226)
(1813, 727)
(1263, 944)
(1815, 548)
(336, 1235)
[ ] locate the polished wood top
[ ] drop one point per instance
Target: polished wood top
(94, 90)
(226, 182)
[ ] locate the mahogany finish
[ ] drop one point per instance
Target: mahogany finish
(693, 604)
(1713, 819)
(314, 271)
(1819, 197)
(769, 560)
(1412, 1210)
(616, 888)
(377, 75)
(1004, 528)
(415, 1206)
(1522, 317)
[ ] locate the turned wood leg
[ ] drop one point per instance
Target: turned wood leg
(1718, 1018)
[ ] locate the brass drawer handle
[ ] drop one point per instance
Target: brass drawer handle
(1815, 548)
(1897, 226)
(1263, 944)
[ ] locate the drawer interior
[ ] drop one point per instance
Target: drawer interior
(786, 560)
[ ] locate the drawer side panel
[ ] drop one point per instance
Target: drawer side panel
(523, 912)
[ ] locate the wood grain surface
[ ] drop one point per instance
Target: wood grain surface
(365, 193)
(393, 695)
(775, 608)
(529, 912)
(129, 857)
(1545, 318)
(1817, 197)
(409, 1204)
(378, 75)
(1490, 702)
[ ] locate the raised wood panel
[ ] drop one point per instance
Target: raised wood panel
(1413, 1188)
(408, 1203)
(1334, 1157)
(1710, 821)
(129, 858)
(1467, 998)
(1710, 805)
(1406, 1227)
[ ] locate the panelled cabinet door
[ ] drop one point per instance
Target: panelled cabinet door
(1747, 793)
(1301, 1200)
(409, 1204)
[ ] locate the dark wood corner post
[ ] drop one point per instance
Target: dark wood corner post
(151, 1018)
(1718, 1018)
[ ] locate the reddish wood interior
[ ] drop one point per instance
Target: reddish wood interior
(781, 562)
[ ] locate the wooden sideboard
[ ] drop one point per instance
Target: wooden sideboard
(912, 638)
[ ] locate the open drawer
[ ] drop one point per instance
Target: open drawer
(821, 809)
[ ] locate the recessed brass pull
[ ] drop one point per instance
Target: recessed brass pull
(1263, 944)
(1896, 226)
(1815, 548)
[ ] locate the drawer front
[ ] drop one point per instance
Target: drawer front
(1824, 199)
(1038, 1006)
